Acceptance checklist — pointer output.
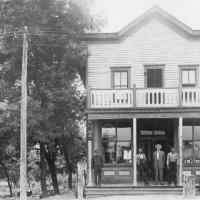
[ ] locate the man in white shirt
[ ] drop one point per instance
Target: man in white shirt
(142, 166)
(172, 161)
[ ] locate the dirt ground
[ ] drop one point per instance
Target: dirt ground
(71, 196)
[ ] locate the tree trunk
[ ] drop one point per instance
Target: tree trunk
(70, 180)
(43, 171)
(8, 179)
(50, 157)
(69, 167)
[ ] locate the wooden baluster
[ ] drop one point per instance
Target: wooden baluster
(134, 95)
(148, 98)
(95, 99)
(180, 95)
(152, 96)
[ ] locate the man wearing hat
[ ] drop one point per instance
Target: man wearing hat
(158, 160)
(97, 164)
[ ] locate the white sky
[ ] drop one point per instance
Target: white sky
(118, 13)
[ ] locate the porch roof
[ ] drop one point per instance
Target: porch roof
(128, 113)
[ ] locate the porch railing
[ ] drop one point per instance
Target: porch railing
(149, 97)
(111, 98)
(157, 98)
(191, 97)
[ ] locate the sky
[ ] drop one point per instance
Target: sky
(118, 13)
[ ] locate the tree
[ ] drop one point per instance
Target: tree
(56, 61)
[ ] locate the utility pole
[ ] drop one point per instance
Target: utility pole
(23, 135)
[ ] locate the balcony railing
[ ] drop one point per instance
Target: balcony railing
(111, 98)
(157, 98)
(147, 98)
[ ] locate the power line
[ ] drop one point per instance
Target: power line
(56, 35)
(49, 45)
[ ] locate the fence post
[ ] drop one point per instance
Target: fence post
(80, 179)
(189, 186)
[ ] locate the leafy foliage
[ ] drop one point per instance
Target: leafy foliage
(56, 62)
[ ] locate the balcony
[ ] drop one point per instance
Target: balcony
(144, 98)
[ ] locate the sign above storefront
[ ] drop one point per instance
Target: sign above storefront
(155, 132)
(144, 132)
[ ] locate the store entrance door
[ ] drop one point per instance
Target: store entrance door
(148, 146)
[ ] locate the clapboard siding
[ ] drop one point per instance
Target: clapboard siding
(154, 43)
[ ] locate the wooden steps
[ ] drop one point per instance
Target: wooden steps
(129, 190)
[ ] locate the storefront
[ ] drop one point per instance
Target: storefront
(191, 147)
(115, 140)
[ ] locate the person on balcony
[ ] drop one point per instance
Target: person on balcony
(142, 166)
(158, 160)
(97, 164)
(172, 161)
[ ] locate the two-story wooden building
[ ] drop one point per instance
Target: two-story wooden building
(142, 89)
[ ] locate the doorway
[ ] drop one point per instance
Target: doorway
(148, 146)
(152, 132)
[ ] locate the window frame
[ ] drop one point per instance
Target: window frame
(193, 140)
(185, 68)
(116, 125)
(154, 66)
(120, 69)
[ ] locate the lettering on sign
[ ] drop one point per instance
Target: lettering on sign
(109, 173)
(144, 132)
(156, 132)
(187, 172)
(124, 173)
(197, 172)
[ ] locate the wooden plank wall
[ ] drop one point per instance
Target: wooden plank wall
(154, 43)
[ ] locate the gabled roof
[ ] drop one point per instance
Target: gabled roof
(153, 13)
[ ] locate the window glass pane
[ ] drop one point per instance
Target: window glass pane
(116, 79)
(124, 133)
(109, 152)
(197, 132)
(108, 134)
(192, 77)
(124, 152)
(185, 77)
(154, 78)
(124, 79)
(187, 150)
(197, 149)
(187, 132)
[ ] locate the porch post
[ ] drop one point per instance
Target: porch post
(180, 137)
(89, 143)
(89, 162)
(134, 151)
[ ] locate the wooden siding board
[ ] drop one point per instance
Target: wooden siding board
(146, 46)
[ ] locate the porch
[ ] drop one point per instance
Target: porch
(124, 190)
(143, 98)
(118, 145)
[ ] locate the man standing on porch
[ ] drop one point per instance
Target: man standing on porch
(97, 164)
(142, 166)
(158, 160)
(172, 161)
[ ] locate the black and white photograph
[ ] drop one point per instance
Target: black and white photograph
(99, 99)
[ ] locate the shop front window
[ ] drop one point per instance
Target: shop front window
(116, 143)
(191, 142)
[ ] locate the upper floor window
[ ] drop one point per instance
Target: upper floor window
(154, 76)
(120, 77)
(188, 77)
